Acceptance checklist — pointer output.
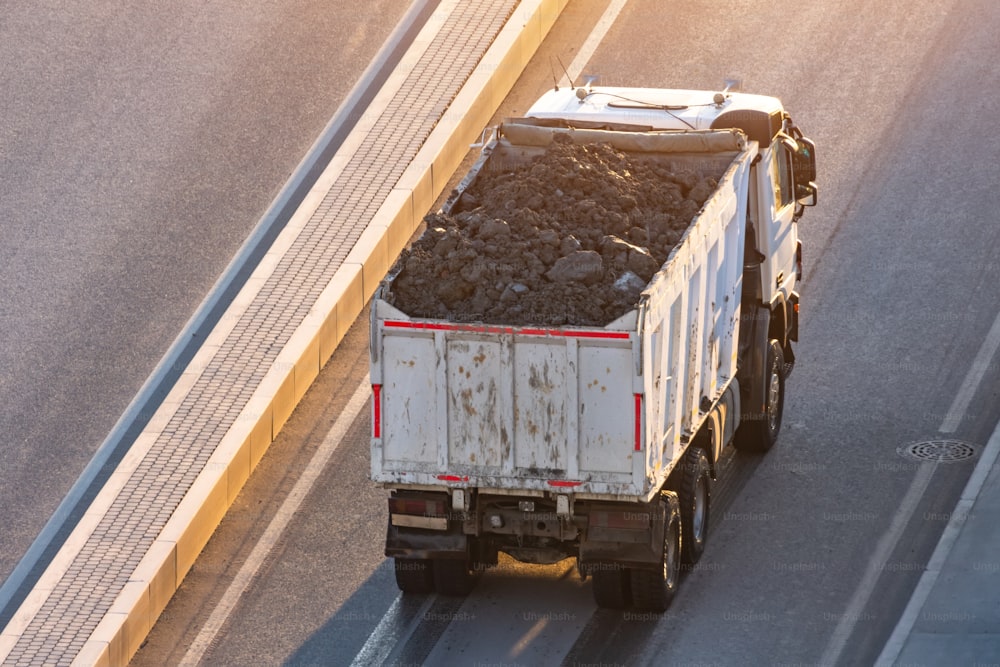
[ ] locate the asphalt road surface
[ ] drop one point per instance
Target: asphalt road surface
(139, 146)
(816, 546)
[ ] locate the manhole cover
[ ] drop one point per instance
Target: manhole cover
(939, 451)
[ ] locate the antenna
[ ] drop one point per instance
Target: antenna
(555, 81)
(572, 84)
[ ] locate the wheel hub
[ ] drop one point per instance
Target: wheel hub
(700, 500)
(773, 396)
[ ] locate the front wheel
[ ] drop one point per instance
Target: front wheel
(759, 430)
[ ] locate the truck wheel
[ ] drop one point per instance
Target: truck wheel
(612, 589)
(413, 575)
(452, 577)
(653, 590)
(760, 431)
(696, 503)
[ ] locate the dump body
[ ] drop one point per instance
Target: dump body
(596, 412)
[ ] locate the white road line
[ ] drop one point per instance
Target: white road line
(894, 646)
(593, 40)
(918, 486)
(278, 525)
(379, 643)
(389, 632)
(972, 379)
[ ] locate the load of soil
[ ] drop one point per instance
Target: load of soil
(571, 237)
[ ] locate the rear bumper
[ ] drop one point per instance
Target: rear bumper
(596, 533)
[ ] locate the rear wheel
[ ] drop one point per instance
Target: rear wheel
(414, 575)
(759, 431)
(696, 503)
(653, 590)
(612, 589)
(452, 577)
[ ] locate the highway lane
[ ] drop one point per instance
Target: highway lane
(139, 147)
(899, 294)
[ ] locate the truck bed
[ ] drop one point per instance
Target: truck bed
(601, 412)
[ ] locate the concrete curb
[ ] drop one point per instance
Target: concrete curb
(151, 585)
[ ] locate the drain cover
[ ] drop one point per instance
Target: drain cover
(939, 451)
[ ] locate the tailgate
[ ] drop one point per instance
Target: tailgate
(504, 407)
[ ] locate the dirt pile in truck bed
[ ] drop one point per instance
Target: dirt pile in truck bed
(569, 238)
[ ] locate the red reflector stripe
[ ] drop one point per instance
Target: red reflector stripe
(452, 478)
(563, 483)
(638, 422)
(377, 417)
(476, 328)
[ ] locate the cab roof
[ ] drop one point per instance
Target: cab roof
(759, 116)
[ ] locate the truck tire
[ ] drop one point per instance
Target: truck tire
(759, 431)
(452, 577)
(653, 590)
(612, 589)
(696, 503)
(414, 575)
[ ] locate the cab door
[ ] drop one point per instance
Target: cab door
(778, 232)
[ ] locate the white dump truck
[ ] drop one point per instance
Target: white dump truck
(600, 443)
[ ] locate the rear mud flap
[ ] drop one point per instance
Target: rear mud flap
(637, 549)
(420, 543)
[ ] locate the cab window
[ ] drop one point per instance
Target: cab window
(781, 172)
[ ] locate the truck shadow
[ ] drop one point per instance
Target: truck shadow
(519, 614)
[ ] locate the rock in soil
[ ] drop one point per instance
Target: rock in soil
(568, 238)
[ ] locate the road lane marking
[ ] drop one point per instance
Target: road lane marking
(914, 494)
(972, 379)
(278, 524)
(396, 626)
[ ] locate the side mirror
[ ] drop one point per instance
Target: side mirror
(806, 193)
(804, 161)
(804, 164)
